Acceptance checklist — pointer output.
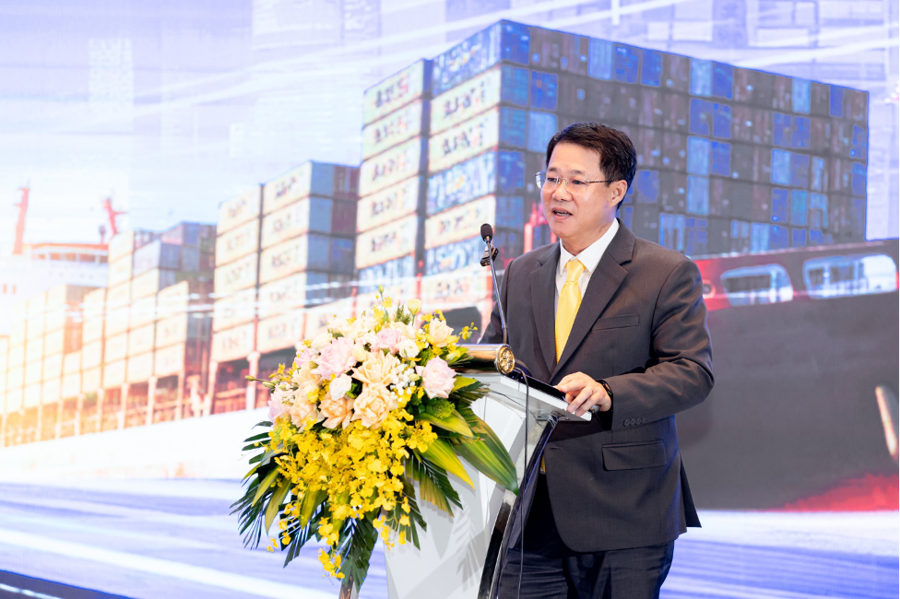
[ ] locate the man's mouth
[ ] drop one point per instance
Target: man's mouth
(561, 212)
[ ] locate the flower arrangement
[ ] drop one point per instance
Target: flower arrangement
(368, 409)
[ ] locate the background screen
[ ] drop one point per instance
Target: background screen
(192, 188)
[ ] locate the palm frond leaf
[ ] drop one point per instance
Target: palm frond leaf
(358, 538)
(487, 453)
(433, 483)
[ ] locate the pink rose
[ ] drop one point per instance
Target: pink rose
(304, 355)
(336, 357)
(437, 378)
(276, 404)
(388, 339)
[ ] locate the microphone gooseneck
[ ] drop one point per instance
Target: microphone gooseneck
(490, 253)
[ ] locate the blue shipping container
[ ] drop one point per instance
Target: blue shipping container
(651, 68)
(781, 205)
(701, 77)
(544, 90)
(698, 155)
(462, 182)
(541, 127)
(600, 59)
(627, 63)
(380, 274)
(502, 41)
(514, 85)
(513, 124)
(800, 102)
(722, 80)
(799, 200)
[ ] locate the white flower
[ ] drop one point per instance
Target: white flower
(362, 325)
(359, 353)
(408, 331)
(414, 305)
(336, 325)
(408, 349)
(366, 338)
(340, 386)
(321, 340)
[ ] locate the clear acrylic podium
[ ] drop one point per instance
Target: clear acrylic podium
(461, 557)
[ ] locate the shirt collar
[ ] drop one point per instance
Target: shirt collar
(591, 255)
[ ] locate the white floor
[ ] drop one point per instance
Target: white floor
(174, 538)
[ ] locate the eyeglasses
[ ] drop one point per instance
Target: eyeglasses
(548, 183)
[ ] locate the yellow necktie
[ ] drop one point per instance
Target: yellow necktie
(569, 301)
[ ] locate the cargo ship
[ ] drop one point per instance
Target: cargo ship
(804, 410)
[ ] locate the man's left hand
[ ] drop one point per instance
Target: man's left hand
(583, 392)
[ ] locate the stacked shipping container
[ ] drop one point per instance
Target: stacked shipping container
(236, 281)
(730, 160)
(63, 338)
(480, 127)
(15, 374)
(286, 248)
(308, 242)
(6, 409)
(390, 218)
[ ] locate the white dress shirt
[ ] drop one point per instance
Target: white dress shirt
(590, 258)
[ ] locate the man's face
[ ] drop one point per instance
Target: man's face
(579, 214)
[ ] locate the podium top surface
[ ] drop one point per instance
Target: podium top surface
(540, 402)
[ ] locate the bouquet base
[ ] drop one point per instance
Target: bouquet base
(458, 556)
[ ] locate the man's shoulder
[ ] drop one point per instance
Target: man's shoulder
(656, 254)
(533, 258)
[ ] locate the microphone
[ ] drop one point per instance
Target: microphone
(487, 232)
(490, 254)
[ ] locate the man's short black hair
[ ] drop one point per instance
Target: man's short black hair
(618, 160)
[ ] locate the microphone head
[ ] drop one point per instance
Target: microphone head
(487, 232)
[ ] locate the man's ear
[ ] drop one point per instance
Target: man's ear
(619, 189)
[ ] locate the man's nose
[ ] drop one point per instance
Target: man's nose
(562, 191)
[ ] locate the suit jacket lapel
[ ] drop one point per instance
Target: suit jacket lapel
(605, 281)
(543, 294)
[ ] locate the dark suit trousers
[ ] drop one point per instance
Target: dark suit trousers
(553, 571)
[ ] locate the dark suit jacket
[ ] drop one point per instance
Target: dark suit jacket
(617, 482)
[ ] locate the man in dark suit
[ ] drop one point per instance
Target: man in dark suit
(619, 323)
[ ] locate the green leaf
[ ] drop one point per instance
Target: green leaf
(311, 500)
(434, 485)
(258, 437)
(485, 460)
(465, 394)
(488, 453)
(265, 484)
(300, 535)
(251, 472)
(453, 422)
(461, 382)
(441, 454)
(358, 538)
(275, 502)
